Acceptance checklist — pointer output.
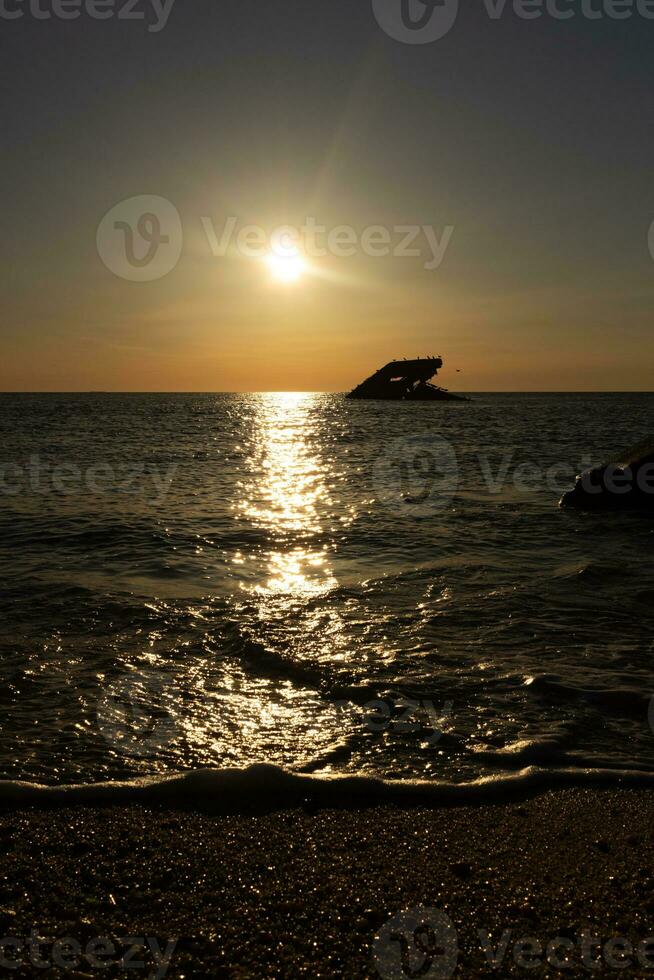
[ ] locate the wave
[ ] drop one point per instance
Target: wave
(264, 788)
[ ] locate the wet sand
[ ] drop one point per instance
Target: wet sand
(305, 893)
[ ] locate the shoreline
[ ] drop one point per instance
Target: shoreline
(263, 788)
(306, 891)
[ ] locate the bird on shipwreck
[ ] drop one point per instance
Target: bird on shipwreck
(406, 381)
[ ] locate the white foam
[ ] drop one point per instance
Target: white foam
(266, 787)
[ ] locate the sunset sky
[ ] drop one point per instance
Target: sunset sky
(532, 139)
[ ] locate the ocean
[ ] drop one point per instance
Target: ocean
(332, 587)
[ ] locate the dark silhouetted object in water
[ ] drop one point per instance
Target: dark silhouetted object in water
(406, 381)
(625, 482)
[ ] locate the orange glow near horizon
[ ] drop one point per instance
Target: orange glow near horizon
(288, 323)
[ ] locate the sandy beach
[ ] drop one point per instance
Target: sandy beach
(323, 893)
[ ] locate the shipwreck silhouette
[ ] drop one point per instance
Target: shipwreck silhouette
(406, 381)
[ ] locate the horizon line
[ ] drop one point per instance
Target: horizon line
(315, 391)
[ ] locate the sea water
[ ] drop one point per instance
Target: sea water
(333, 587)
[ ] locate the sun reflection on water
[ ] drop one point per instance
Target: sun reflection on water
(262, 696)
(284, 496)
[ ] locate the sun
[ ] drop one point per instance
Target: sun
(285, 268)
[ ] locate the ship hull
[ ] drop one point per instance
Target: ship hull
(406, 381)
